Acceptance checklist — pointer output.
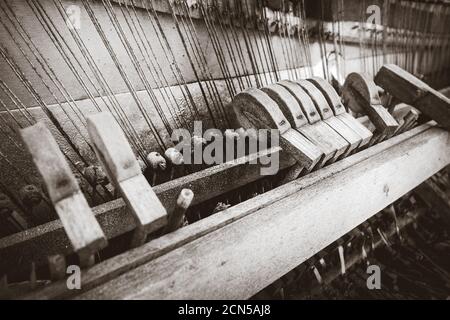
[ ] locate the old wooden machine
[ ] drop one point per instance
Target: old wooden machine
(93, 90)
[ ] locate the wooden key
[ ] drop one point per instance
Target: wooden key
(349, 137)
(255, 109)
(411, 90)
(339, 111)
(331, 144)
(81, 227)
(122, 168)
(360, 94)
(176, 218)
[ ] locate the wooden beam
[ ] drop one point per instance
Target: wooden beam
(411, 90)
(243, 257)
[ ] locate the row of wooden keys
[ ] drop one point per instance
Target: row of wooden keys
(315, 127)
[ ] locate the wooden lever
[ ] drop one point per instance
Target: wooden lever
(122, 168)
(361, 95)
(298, 120)
(413, 91)
(255, 109)
(330, 142)
(350, 137)
(82, 228)
(339, 111)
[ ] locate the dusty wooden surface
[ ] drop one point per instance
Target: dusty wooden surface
(19, 250)
(243, 257)
(360, 94)
(409, 89)
(122, 167)
(119, 264)
(85, 235)
(256, 109)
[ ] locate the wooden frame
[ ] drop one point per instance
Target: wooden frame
(237, 252)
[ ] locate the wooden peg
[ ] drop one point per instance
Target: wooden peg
(411, 90)
(255, 109)
(156, 165)
(176, 218)
(175, 160)
(360, 94)
(57, 267)
(326, 139)
(4, 287)
(82, 228)
(122, 168)
(339, 111)
(33, 276)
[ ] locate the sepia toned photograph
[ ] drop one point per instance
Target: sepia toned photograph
(252, 152)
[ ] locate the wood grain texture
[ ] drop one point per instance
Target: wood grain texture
(243, 257)
(255, 109)
(330, 94)
(303, 99)
(83, 230)
(50, 162)
(360, 94)
(328, 142)
(329, 134)
(19, 250)
(411, 90)
(115, 266)
(339, 111)
(122, 168)
(287, 104)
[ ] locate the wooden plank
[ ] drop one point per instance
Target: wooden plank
(135, 257)
(243, 257)
(411, 90)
